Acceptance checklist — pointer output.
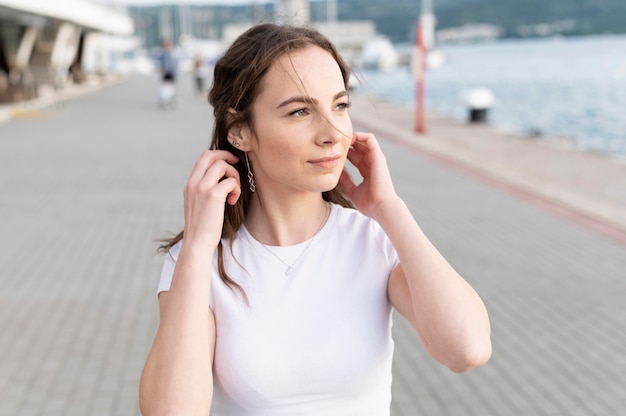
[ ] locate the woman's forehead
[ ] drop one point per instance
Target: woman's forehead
(311, 69)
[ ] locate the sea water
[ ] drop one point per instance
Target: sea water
(572, 88)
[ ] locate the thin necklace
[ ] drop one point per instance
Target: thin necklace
(290, 267)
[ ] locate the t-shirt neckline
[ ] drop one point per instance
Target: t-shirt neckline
(319, 236)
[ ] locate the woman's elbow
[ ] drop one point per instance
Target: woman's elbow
(148, 403)
(471, 357)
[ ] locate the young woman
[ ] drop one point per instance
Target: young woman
(278, 299)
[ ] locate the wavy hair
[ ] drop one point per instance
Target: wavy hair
(237, 81)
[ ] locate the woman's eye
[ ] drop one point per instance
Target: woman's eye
(344, 106)
(299, 112)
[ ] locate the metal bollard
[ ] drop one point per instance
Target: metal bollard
(478, 101)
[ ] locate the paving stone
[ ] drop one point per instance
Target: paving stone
(87, 192)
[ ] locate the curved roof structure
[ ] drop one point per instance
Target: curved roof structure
(87, 14)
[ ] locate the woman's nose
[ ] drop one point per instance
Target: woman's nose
(329, 132)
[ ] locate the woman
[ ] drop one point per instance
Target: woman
(278, 299)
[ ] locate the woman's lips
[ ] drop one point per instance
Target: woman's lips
(326, 162)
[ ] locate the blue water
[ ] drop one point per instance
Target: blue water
(565, 87)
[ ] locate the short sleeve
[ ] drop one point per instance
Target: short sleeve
(169, 262)
(387, 247)
(390, 251)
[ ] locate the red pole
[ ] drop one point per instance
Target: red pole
(420, 125)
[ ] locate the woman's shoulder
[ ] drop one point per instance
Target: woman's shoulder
(350, 221)
(352, 216)
(174, 250)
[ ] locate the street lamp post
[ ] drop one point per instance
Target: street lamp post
(420, 72)
(424, 40)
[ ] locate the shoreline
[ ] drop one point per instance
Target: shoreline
(560, 142)
(582, 186)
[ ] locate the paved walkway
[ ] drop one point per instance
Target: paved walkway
(87, 185)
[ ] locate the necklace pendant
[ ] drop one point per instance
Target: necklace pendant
(288, 271)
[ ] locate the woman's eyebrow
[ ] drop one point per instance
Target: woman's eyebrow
(298, 99)
(308, 100)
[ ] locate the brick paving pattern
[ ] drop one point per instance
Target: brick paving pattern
(87, 185)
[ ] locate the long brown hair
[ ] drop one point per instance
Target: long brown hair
(237, 79)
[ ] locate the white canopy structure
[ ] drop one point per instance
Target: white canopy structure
(45, 44)
(87, 14)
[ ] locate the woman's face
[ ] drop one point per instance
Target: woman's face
(301, 123)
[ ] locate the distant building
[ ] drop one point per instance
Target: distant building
(470, 32)
(293, 11)
(546, 29)
(350, 37)
(225, 23)
(45, 44)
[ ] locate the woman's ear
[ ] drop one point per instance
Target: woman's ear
(239, 134)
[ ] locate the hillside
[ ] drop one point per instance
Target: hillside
(396, 19)
(569, 17)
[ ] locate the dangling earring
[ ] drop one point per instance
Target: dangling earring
(250, 175)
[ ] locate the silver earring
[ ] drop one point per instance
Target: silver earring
(235, 144)
(250, 175)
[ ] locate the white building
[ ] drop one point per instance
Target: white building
(45, 43)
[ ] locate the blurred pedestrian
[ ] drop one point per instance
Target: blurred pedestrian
(277, 297)
(168, 66)
(199, 74)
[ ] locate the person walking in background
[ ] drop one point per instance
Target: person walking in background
(199, 74)
(168, 66)
(277, 296)
(168, 63)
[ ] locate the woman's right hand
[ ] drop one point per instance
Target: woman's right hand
(177, 375)
(213, 181)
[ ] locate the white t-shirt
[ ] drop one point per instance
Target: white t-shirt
(314, 342)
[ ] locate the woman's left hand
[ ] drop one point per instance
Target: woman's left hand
(376, 188)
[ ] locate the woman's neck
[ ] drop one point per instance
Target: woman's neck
(285, 222)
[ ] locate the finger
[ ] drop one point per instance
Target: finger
(208, 158)
(364, 141)
(217, 172)
(207, 185)
(227, 156)
(360, 138)
(228, 190)
(200, 168)
(234, 187)
(346, 182)
(355, 156)
(210, 167)
(367, 145)
(359, 159)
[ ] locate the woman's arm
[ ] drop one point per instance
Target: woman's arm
(177, 378)
(446, 312)
(444, 309)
